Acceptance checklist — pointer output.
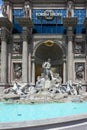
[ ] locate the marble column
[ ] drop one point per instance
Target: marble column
(70, 56)
(64, 71)
(6, 28)
(29, 60)
(3, 57)
(26, 24)
(33, 70)
(25, 56)
(70, 23)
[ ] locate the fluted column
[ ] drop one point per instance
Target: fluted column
(33, 70)
(70, 23)
(3, 57)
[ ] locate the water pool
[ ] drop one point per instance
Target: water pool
(22, 112)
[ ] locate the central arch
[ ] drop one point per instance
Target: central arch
(49, 49)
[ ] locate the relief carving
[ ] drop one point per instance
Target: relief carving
(80, 71)
(79, 48)
(17, 48)
(17, 71)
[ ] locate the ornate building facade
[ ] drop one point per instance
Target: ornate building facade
(32, 31)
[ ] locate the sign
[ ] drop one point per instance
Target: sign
(48, 15)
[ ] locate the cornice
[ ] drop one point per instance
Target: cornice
(44, 1)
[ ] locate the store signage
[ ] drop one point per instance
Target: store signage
(48, 14)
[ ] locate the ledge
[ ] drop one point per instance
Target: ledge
(68, 121)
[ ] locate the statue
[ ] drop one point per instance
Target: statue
(4, 10)
(27, 9)
(17, 71)
(47, 69)
(20, 88)
(40, 83)
(69, 88)
(78, 87)
(69, 13)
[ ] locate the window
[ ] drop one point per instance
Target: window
(17, 13)
(80, 14)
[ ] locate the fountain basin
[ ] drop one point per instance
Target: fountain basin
(43, 116)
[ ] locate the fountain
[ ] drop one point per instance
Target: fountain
(30, 104)
(48, 88)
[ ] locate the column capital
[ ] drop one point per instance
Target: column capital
(25, 22)
(4, 22)
(6, 28)
(70, 22)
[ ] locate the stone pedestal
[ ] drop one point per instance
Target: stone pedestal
(5, 26)
(70, 23)
(26, 24)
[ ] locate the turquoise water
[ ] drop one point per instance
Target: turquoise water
(21, 112)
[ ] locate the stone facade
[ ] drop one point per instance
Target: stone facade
(46, 29)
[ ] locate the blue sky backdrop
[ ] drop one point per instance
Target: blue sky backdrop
(0, 8)
(0, 2)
